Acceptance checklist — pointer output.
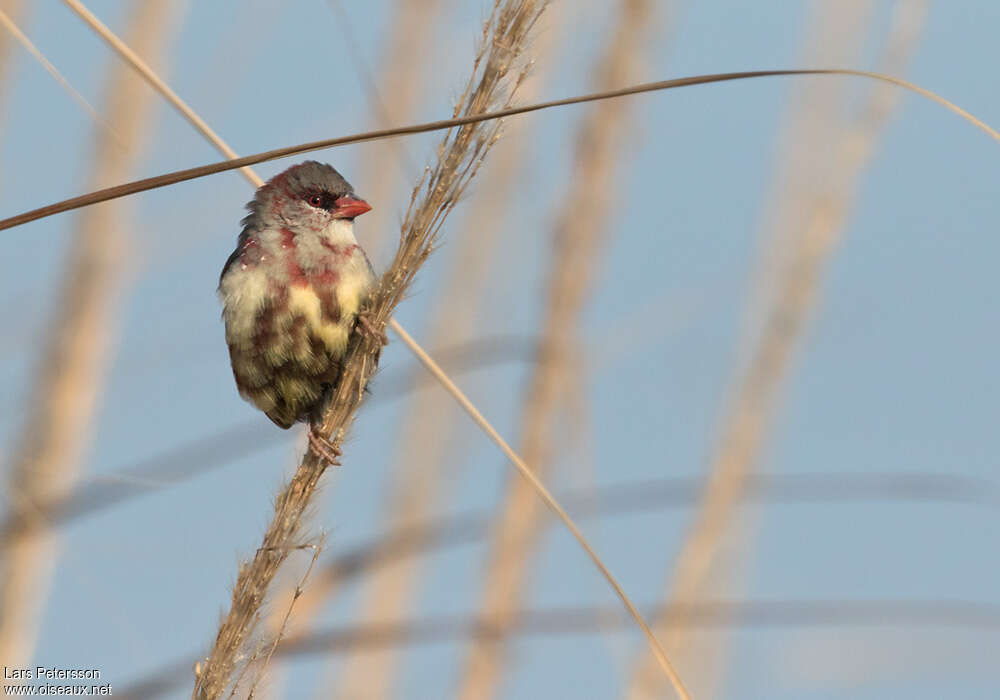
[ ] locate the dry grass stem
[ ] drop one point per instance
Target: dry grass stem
(496, 74)
(171, 178)
(576, 244)
(418, 482)
(46, 460)
(811, 228)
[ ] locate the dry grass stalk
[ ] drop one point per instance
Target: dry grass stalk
(812, 230)
(495, 76)
(46, 460)
(577, 239)
(171, 178)
(417, 483)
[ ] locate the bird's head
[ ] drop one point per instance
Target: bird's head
(305, 198)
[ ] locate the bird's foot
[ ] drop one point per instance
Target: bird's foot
(368, 328)
(323, 448)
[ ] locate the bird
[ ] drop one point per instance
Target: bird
(291, 293)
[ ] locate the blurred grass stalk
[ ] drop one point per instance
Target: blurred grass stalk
(46, 461)
(824, 158)
(417, 482)
(577, 239)
(12, 28)
(14, 9)
(835, 617)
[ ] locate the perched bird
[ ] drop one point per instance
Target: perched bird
(291, 292)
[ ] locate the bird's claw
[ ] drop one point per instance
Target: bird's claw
(323, 448)
(368, 328)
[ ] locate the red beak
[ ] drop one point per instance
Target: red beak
(349, 206)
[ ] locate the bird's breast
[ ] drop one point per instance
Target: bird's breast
(325, 292)
(324, 315)
(329, 302)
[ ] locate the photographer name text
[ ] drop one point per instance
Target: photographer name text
(51, 673)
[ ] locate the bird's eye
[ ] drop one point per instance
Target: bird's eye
(315, 201)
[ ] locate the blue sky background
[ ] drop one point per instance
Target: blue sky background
(897, 372)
